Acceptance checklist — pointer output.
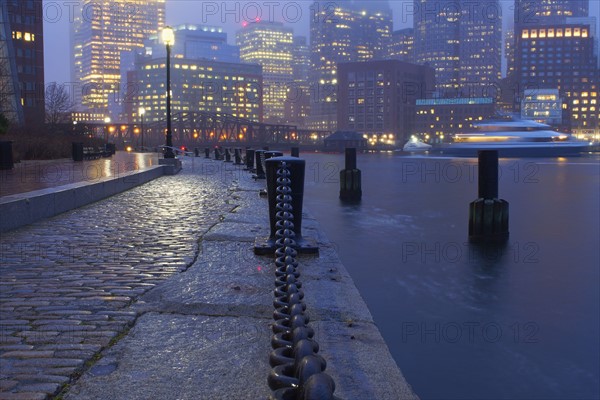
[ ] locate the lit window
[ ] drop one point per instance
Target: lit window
(27, 36)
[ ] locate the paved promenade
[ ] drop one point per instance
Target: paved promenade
(155, 293)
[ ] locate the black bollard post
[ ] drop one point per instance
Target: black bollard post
(227, 155)
(217, 155)
(6, 155)
(350, 178)
(259, 156)
(295, 152)
(249, 160)
(296, 167)
(207, 152)
(237, 156)
(77, 151)
(196, 152)
(488, 215)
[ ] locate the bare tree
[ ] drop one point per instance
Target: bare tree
(58, 104)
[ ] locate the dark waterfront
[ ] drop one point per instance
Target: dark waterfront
(464, 322)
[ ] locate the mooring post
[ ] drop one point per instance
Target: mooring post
(297, 168)
(207, 152)
(217, 154)
(227, 155)
(196, 152)
(237, 155)
(350, 178)
(488, 215)
(259, 156)
(295, 152)
(249, 160)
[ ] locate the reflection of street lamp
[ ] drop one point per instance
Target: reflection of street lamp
(106, 122)
(169, 39)
(141, 112)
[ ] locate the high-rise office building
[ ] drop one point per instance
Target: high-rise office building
(462, 41)
(22, 61)
(509, 51)
(529, 13)
(270, 45)
(102, 31)
(378, 98)
(297, 103)
(206, 76)
(556, 48)
(562, 56)
(402, 45)
(349, 31)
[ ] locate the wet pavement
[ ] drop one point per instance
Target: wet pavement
(27, 175)
(155, 293)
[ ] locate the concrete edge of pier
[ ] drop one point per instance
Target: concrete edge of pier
(25, 208)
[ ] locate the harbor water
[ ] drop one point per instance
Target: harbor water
(519, 321)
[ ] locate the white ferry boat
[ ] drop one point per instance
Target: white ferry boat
(416, 145)
(515, 139)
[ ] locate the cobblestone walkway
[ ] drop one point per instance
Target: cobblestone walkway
(66, 283)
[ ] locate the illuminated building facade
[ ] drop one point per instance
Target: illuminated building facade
(562, 57)
(438, 119)
(402, 45)
(378, 98)
(544, 106)
(270, 45)
(22, 61)
(196, 42)
(509, 51)
(102, 31)
(297, 103)
(196, 85)
(349, 31)
(462, 41)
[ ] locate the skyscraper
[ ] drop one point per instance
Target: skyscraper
(103, 30)
(298, 96)
(22, 61)
(556, 48)
(402, 45)
(269, 44)
(462, 41)
(348, 31)
(539, 12)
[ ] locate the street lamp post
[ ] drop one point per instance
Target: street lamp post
(106, 122)
(141, 112)
(169, 39)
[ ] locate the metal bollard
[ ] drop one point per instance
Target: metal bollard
(259, 155)
(350, 178)
(196, 152)
(227, 155)
(295, 152)
(237, 155)
(207, 152)
(488, 215)
(249, 160)
(297, 370)
(6, 155)
(77, 151)
(296, 167)
(217, 154)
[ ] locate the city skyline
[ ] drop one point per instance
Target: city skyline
(57, 23)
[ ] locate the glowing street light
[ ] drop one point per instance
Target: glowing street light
(168, 37)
